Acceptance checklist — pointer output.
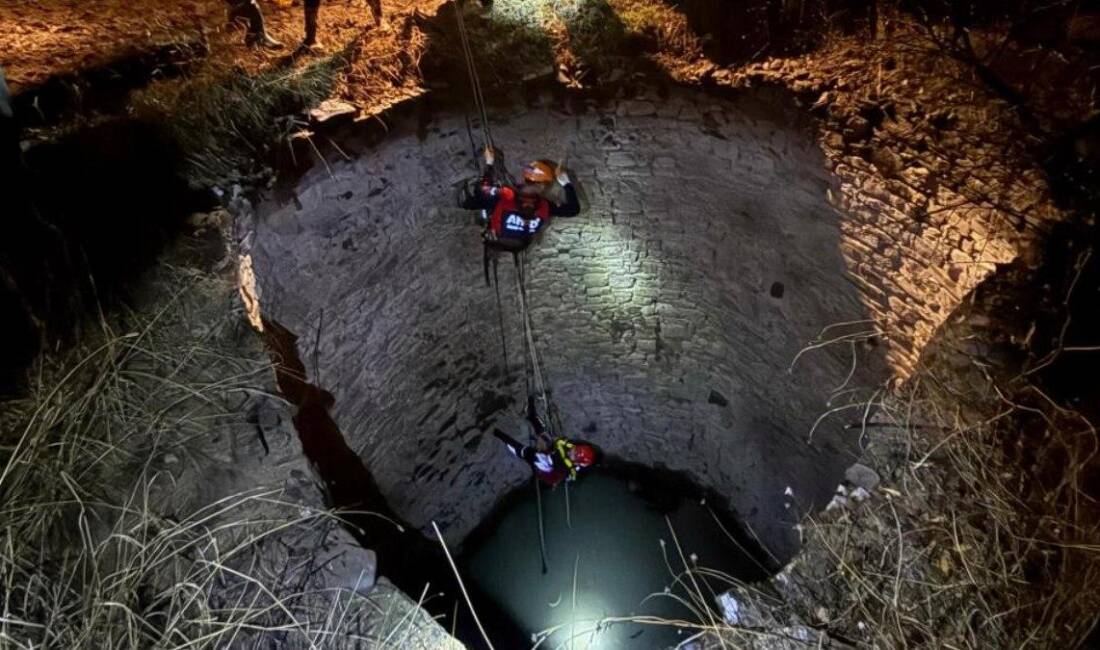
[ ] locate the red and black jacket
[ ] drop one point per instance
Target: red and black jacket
(506, 221)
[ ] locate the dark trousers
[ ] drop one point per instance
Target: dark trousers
(525, 452)
(537, 423)
(250, 11)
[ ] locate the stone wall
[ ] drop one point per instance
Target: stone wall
(667, 314)
(937, 175)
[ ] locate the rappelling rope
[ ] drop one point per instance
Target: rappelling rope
(529, 339)
(532, 363)
(542, 530)
(553, 418)
(529, 343)
(471, 70)
(500, 317)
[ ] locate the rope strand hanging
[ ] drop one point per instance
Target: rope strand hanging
(533, 370)
(529, 342)
(471, 70)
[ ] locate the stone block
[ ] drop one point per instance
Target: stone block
(636, 108)
(621, 159)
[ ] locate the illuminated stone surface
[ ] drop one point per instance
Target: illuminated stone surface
(651, 303)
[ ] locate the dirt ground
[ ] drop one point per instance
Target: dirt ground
(47, 39)
(414, 47)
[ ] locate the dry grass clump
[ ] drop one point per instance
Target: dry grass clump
(226, 125)
(97, 548)
(663, 26)
(983, 549)
(965, 545)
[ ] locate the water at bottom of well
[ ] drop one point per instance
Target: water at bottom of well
(613, 557)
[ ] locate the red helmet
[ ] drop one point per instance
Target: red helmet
(583, 455)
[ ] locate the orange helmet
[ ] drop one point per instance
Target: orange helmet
(537, 171)
(583, 455)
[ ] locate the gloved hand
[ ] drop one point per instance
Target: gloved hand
(563, 177)
(490, 155)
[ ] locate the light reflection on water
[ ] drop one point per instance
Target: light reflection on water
(615, 546)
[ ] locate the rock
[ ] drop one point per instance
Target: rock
(782, 630)
(887, 161)
(858, 128)
(635, 108)
(350, 566)
(839, 500)
(331, 109)
(862, 476)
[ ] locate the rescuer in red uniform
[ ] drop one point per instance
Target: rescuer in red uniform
(517, 214)
(559, 460)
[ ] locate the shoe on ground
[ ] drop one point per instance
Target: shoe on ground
(264, 41)
(314, 47)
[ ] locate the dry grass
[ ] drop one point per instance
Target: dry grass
(98, 549)
(227, 125)
(966, 544)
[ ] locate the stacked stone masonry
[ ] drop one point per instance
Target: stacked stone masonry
(667, 314)
(934, 174)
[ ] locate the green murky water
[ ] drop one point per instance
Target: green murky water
(612, 556)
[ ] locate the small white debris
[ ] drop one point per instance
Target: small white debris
(731, 609)
(841, 490)
(694, 558)
(859, 494)
(837, 502)
(788, 492)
